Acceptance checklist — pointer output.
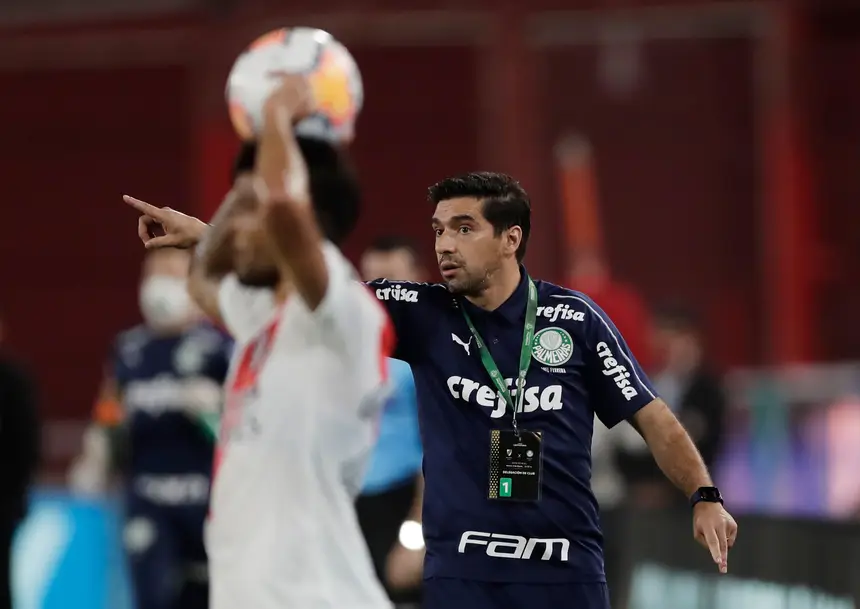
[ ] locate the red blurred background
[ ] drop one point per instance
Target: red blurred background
(725, 140)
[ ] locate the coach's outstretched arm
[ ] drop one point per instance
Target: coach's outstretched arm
(677, 456)
(282, 186)
(624, 392)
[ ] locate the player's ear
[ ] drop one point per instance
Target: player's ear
(512, 239)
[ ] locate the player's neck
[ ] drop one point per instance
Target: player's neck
(173, 330)
(283, 290)
(501, 285)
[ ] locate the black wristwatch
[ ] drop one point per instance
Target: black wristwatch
(708, 494)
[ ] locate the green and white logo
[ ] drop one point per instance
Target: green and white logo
(552, 347)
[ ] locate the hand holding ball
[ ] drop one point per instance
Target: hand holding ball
(332, 76)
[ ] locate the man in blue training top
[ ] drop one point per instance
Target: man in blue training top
(154, 423)
(390, 501)
(510, 372)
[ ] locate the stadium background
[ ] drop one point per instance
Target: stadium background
(725, 145)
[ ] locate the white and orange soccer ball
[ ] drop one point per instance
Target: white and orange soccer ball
(333, 74)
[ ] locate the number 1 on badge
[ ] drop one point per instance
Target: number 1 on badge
(504, 487)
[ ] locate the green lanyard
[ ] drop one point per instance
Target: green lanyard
(525, 355)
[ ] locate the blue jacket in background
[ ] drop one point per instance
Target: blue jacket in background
(397, 455)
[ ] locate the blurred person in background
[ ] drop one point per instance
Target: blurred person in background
(19, 457)
(686, 381)
(389, 507)
(154, 423)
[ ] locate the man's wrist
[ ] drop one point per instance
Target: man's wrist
(200, 231)
(706, 494)
(200, 235)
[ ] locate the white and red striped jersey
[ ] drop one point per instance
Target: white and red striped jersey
(303, 395)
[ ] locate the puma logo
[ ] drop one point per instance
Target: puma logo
(466, 346)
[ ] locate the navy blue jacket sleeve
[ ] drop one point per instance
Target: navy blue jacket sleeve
(124, 353)
(115, 365)
(219, 363)
(403, 301)
(620, 387)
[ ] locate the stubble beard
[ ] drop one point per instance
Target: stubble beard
(470, 286)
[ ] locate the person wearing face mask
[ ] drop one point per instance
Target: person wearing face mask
(154, 424)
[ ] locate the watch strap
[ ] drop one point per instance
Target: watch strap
(706, 494)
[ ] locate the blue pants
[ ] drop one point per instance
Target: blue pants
(448, 593)
(166, 555)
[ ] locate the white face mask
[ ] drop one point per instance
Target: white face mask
(164, 301)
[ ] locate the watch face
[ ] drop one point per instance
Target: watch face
(710, 493)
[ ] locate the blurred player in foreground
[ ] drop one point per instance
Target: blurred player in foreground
(162, 387)
(389, 507)
(510, 372)
(307, 381)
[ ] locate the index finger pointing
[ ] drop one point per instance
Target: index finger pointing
(143, 225)
(713, 541)
(142, 206)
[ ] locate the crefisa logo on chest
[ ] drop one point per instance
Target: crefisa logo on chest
(398, 293)
(552, 347)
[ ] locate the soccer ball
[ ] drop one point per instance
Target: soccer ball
(334, 78)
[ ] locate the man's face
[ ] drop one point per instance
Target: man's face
(674, 347)
(163, 296)
(467, 249)
(398, 265)
(253, 261)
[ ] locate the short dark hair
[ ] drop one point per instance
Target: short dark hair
(333, 184)
(505, 202)
(393, 243)
(245, 159)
